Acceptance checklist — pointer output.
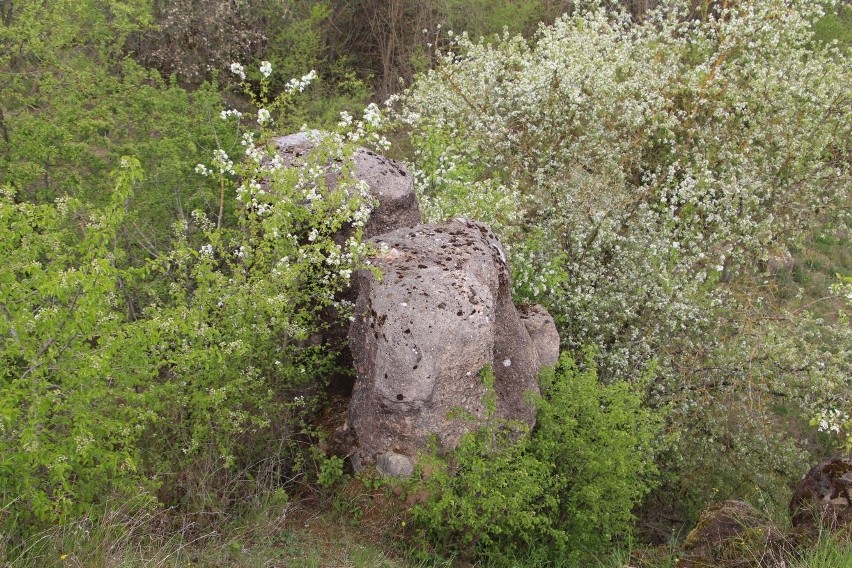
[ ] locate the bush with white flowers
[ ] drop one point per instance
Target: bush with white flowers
(635, 171)
(631, 167)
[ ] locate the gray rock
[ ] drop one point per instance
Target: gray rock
(389, 181)
(391, 464)
(542, 330)
(440, 314)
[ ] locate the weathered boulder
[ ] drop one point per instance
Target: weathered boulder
(390, 183)
(732, 534)
(440, 313)
(823, 499)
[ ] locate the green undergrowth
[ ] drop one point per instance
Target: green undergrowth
(272, 532)
(830, 551)
(360, 524)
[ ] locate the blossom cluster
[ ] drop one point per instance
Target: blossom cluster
(239, 70)
(299, 85)
(631, 167)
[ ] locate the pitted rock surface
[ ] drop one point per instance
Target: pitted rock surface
(389, 181)
(440, 313)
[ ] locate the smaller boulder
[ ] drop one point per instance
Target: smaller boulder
(732, 534)
(823, 499)
(542, 329)
(392, 464)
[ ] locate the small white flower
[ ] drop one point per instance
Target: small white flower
(238, 70)
(345, 119)
(225, 114)
(372, 114)
(263, 116)
(206, 250)
(265, 68)
(299, 85)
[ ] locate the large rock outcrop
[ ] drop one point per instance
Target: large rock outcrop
(424, 331)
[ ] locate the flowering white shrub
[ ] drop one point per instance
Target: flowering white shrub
(631, 168)
(636, 172)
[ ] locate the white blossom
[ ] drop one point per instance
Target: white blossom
(225, 114)
(299, 85)
(263, 116)
(238, 70)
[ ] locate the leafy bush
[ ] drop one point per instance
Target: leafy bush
(197, 41)
(73, 105)
(205, 390)
(73, 407)
(567, 489)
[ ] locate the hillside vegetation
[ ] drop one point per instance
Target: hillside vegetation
(670, 179)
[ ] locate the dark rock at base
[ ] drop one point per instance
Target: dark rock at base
(732, 534)
(823, 499)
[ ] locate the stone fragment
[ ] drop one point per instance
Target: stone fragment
(542, 330)
(391, 464)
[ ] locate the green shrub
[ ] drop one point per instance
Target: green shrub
(564, 492)
(72, 408)
(71, 104)
(202, 393)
